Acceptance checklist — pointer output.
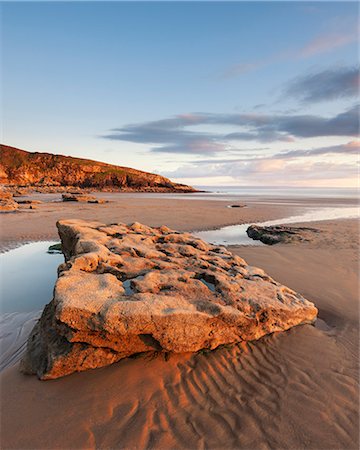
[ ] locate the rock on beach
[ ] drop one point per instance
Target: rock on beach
(128, 289)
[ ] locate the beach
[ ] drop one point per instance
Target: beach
(295, 389)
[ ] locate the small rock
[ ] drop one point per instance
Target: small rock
(280, 234)
(29, 202)
(75, 197)
(7, 202)
(79, 197)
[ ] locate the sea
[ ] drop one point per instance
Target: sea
(284, 191)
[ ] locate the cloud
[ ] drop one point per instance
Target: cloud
(263, 134)
(292, 167)
(341, 82)
(268, 171)
(193, 146)
(241, 68)
(323, 43)
(350, 148)
(327, 42)
(343, 124)
(173, 135)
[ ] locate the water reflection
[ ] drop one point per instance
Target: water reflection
(27, 277)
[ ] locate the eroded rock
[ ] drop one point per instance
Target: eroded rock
(80, 197)
(7, 202)
(281, 234)
(129, 289)
(29, 202)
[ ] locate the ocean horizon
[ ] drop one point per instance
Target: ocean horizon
(287, 191)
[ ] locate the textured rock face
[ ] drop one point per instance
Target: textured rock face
(281, 234)
(130, 289)
(29, 202)
(50, 173)
(78, 197)
(7, 203)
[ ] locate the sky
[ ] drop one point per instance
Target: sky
(205, 93)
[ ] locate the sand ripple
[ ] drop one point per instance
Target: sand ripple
(292, 390)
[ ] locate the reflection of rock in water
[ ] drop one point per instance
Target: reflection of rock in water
(15, 328)
(55, 248)
(130, 289)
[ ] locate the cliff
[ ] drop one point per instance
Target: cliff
(26, 169)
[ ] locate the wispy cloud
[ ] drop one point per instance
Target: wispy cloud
(329, 84)
(349, 148)
(323, 43)
(265, 172)
(293, 166)
(239, 69)
(173, 135)
(327, 42)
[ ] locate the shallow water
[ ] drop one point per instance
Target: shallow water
(236, 234)
(27, 277)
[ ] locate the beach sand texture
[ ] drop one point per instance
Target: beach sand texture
(297, 389)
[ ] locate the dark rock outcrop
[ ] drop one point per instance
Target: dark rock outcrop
(78, 197)
(281, 234)
(130, 289)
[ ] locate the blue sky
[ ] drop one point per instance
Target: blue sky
(238, 93)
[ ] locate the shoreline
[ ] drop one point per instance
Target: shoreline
(12, 245)
(198, 215)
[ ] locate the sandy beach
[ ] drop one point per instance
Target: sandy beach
(184, 213)
(297, 389)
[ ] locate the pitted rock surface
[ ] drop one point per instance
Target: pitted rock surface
(129, 289)
(281, 234)
(7, 202)
(80, 197)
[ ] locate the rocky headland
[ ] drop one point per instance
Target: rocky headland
(46, 172)
(125, 290)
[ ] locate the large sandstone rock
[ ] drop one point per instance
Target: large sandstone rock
(131, 289)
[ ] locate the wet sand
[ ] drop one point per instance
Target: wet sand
(297, 389)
